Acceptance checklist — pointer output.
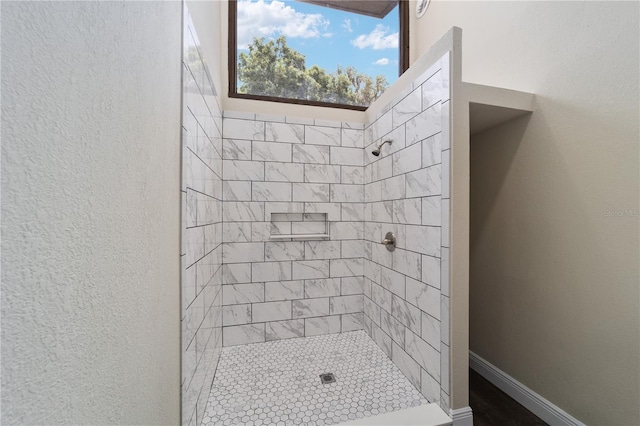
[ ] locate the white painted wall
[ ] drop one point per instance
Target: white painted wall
(554, 280)
(90, 212)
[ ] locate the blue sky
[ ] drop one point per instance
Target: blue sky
(327, 37)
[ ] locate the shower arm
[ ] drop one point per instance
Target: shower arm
(383, 142)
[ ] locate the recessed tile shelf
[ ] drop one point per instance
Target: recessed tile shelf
(299, 226)
(298, 236)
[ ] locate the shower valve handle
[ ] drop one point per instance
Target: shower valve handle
(389, 241)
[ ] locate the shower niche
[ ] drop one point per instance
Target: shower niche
(299, 226)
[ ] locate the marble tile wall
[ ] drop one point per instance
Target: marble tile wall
(284, 176)
(406, 292)
(201, 252)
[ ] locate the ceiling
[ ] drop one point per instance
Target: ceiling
(375, 8)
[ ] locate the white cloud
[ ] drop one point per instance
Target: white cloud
(347, 25)
(377, 39)
(382, 61)
(263, 19)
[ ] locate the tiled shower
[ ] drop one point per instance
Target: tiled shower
(282, 222)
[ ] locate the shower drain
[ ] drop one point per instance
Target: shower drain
(326, 378)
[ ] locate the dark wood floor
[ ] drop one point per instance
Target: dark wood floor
(492, 407)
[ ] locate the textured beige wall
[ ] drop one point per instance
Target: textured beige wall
(554, 276)
(90, 212)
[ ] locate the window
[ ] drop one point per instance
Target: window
(337, 53)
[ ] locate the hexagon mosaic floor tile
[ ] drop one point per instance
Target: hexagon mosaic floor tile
(279, 383)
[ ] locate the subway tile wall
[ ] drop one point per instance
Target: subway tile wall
(201, 252)
(291, 176)
(406, 292)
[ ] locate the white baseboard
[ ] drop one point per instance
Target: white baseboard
(533, 402)
(462, 416)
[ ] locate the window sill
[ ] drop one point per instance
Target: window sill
(296, 101)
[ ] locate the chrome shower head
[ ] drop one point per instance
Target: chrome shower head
(376, 150)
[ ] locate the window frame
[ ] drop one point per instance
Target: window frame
(403, 60)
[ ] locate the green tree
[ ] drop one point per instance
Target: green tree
(271, 68)
(324, 83)
(274, 69)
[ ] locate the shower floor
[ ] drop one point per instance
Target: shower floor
(279, 382)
